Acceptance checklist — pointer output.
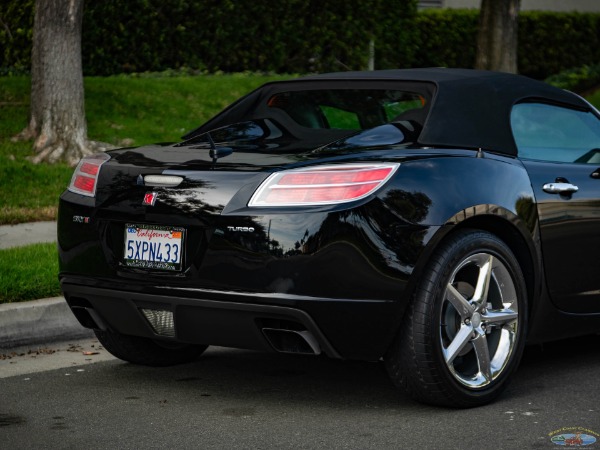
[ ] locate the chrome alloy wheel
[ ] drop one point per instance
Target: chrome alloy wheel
(479, 320)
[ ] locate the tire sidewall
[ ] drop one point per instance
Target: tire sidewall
(468, 244)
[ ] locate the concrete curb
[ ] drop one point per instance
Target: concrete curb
(38, 322)
(35, 322)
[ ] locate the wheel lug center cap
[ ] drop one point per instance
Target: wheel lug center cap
(476, 320)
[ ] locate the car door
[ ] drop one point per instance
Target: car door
(560, 148)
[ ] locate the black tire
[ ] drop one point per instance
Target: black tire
(146, 352)
(439, 355)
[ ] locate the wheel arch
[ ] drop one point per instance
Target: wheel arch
(416, 360)
(522, 248)
(520, 236)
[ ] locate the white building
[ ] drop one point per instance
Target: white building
(526, 5)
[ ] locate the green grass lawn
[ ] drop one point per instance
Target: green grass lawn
(28, 273)
(122, 111)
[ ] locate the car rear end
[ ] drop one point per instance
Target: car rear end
(185, 252)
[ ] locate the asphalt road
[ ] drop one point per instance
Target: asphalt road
(234, 399)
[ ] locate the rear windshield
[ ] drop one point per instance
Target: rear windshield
(300, 116)
(349, 109)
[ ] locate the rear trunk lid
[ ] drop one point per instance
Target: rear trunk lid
(201, 179)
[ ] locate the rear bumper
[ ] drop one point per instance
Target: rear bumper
(341, 275)
(287, 323)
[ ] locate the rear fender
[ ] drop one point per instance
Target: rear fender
(491, 193)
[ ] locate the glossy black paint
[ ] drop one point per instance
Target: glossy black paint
(569, 227)
(344, 271)
(293, 256)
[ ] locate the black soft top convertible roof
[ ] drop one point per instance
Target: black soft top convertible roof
(470, 108)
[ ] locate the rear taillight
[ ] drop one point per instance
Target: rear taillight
(322, 185)
(85, 177)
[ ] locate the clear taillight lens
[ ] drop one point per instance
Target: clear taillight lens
(322, 185)
(85, 177)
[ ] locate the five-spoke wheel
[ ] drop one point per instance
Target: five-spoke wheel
(463, 334)
(480, 318)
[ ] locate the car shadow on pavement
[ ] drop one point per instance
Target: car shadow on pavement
(273, 378)
(323, 382)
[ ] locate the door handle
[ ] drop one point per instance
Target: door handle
(560, 188)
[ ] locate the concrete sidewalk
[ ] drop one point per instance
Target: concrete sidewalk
(37, 321)
(26, 234)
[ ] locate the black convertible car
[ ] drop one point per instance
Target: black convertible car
(435, 219)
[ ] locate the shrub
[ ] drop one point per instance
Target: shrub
(446, 38)
(549, 42)
(295, 36)
(16, 31)
(552, 42)
(580, 80)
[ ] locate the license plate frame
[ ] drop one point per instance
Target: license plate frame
(154, 247)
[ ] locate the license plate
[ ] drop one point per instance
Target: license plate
(153, 247)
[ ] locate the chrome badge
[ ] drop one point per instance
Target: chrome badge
(241, 229)
(81, 219)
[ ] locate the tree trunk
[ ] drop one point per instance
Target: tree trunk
(57, 117)
(497, 36)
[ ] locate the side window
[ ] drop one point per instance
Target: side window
(552, 133)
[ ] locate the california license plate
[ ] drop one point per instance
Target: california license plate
(153, 247)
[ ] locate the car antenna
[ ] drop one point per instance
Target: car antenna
(216, 153)
(479, 153)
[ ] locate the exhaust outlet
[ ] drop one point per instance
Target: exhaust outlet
(292, 341)
(88, 318)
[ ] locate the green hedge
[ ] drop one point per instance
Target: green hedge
(295, 36)
(16, 31)
(446, 38)
(549, 42)
(238, 35)
(580, 79)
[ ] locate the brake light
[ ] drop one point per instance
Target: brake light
(85, 177)
(322, 185)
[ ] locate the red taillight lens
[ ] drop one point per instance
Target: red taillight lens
(86, 174)
(323, 185)
(85, 184)
(90, 168)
